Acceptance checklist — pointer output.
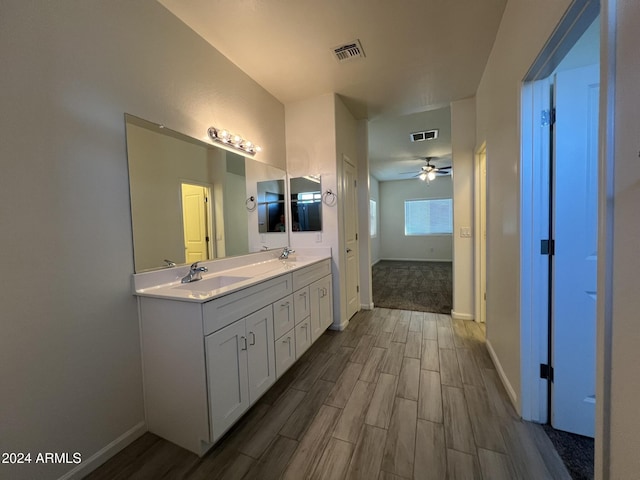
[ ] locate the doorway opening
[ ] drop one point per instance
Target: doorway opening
(559, 179)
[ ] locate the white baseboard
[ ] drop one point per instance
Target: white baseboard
(373, 263)
(367, 306)
(419, 259)
(462, 316)
(101, 456)
(505, 381)
(339, 326)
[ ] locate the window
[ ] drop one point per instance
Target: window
(428, 217)
(373, 218)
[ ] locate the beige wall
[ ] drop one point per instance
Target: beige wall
(622, 292)
(524, 29)
(463, 144)
(311, 150)
(394, 245)
(319, 131)
(70, 348)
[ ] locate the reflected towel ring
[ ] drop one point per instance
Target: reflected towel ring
(329, 198)
(250, 203)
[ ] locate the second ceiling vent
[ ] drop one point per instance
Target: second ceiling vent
(349, 51)
(424, 135)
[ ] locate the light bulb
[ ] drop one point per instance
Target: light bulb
(431, 175)
(423, 176)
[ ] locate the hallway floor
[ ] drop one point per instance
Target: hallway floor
(397, 395)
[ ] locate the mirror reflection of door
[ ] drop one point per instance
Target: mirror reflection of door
(275, 212)
(271, 206)
(306, 204)
(196, 222)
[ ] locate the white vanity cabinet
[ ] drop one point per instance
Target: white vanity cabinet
(206, 362)
(321, 306)
(240, 367)
(285, 352)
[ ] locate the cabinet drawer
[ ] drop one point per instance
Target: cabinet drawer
(225, 310)
(303, 337)
(283, 315)
(307, 275)
(285, 352)
(301, 304)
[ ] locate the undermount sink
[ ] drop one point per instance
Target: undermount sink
(212, 283)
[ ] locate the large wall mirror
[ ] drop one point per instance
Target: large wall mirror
(271, 206)
(189, 198)
(306, 204)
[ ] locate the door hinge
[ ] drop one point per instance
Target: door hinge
(206, 238)
(356, 236)
(547, 247)
(357, 288)
(546, 371)
(548, 117)
(206, 199)
(355, 183)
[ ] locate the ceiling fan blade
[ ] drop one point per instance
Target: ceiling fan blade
(443, 168)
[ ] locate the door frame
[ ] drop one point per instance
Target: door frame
(480, 226)
(534, 207)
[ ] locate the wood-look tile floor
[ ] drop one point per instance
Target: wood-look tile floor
(397, 395)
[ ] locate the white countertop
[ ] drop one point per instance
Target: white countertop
(224, 276)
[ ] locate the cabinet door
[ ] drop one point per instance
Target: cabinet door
(260, 352)
(315, 290)
(283, 316)
(301, 304)
(326, 303)
(227, 377)
(303, 337)
(285, 352)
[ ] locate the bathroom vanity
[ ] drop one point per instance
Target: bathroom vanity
(211, 348)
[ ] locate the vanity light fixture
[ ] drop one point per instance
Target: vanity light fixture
(224, 137)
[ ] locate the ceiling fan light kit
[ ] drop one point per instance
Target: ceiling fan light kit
(429, 172)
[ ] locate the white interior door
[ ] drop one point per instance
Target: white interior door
(350, 237)
(575, 229)
(194, 217)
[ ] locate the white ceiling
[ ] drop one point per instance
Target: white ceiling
(420, 54)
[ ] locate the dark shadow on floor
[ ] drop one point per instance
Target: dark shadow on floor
(575, 451)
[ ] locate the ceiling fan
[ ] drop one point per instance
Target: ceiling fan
(429, 172)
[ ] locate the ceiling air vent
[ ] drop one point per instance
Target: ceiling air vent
(422, 136)
(349, 51)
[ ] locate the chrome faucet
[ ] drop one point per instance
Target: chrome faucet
(195, 273)
(285, 253)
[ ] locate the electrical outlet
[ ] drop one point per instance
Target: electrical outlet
(318, 238)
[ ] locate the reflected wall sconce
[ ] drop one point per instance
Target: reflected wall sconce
(227, 138)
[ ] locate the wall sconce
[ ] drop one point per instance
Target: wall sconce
(227, 138)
